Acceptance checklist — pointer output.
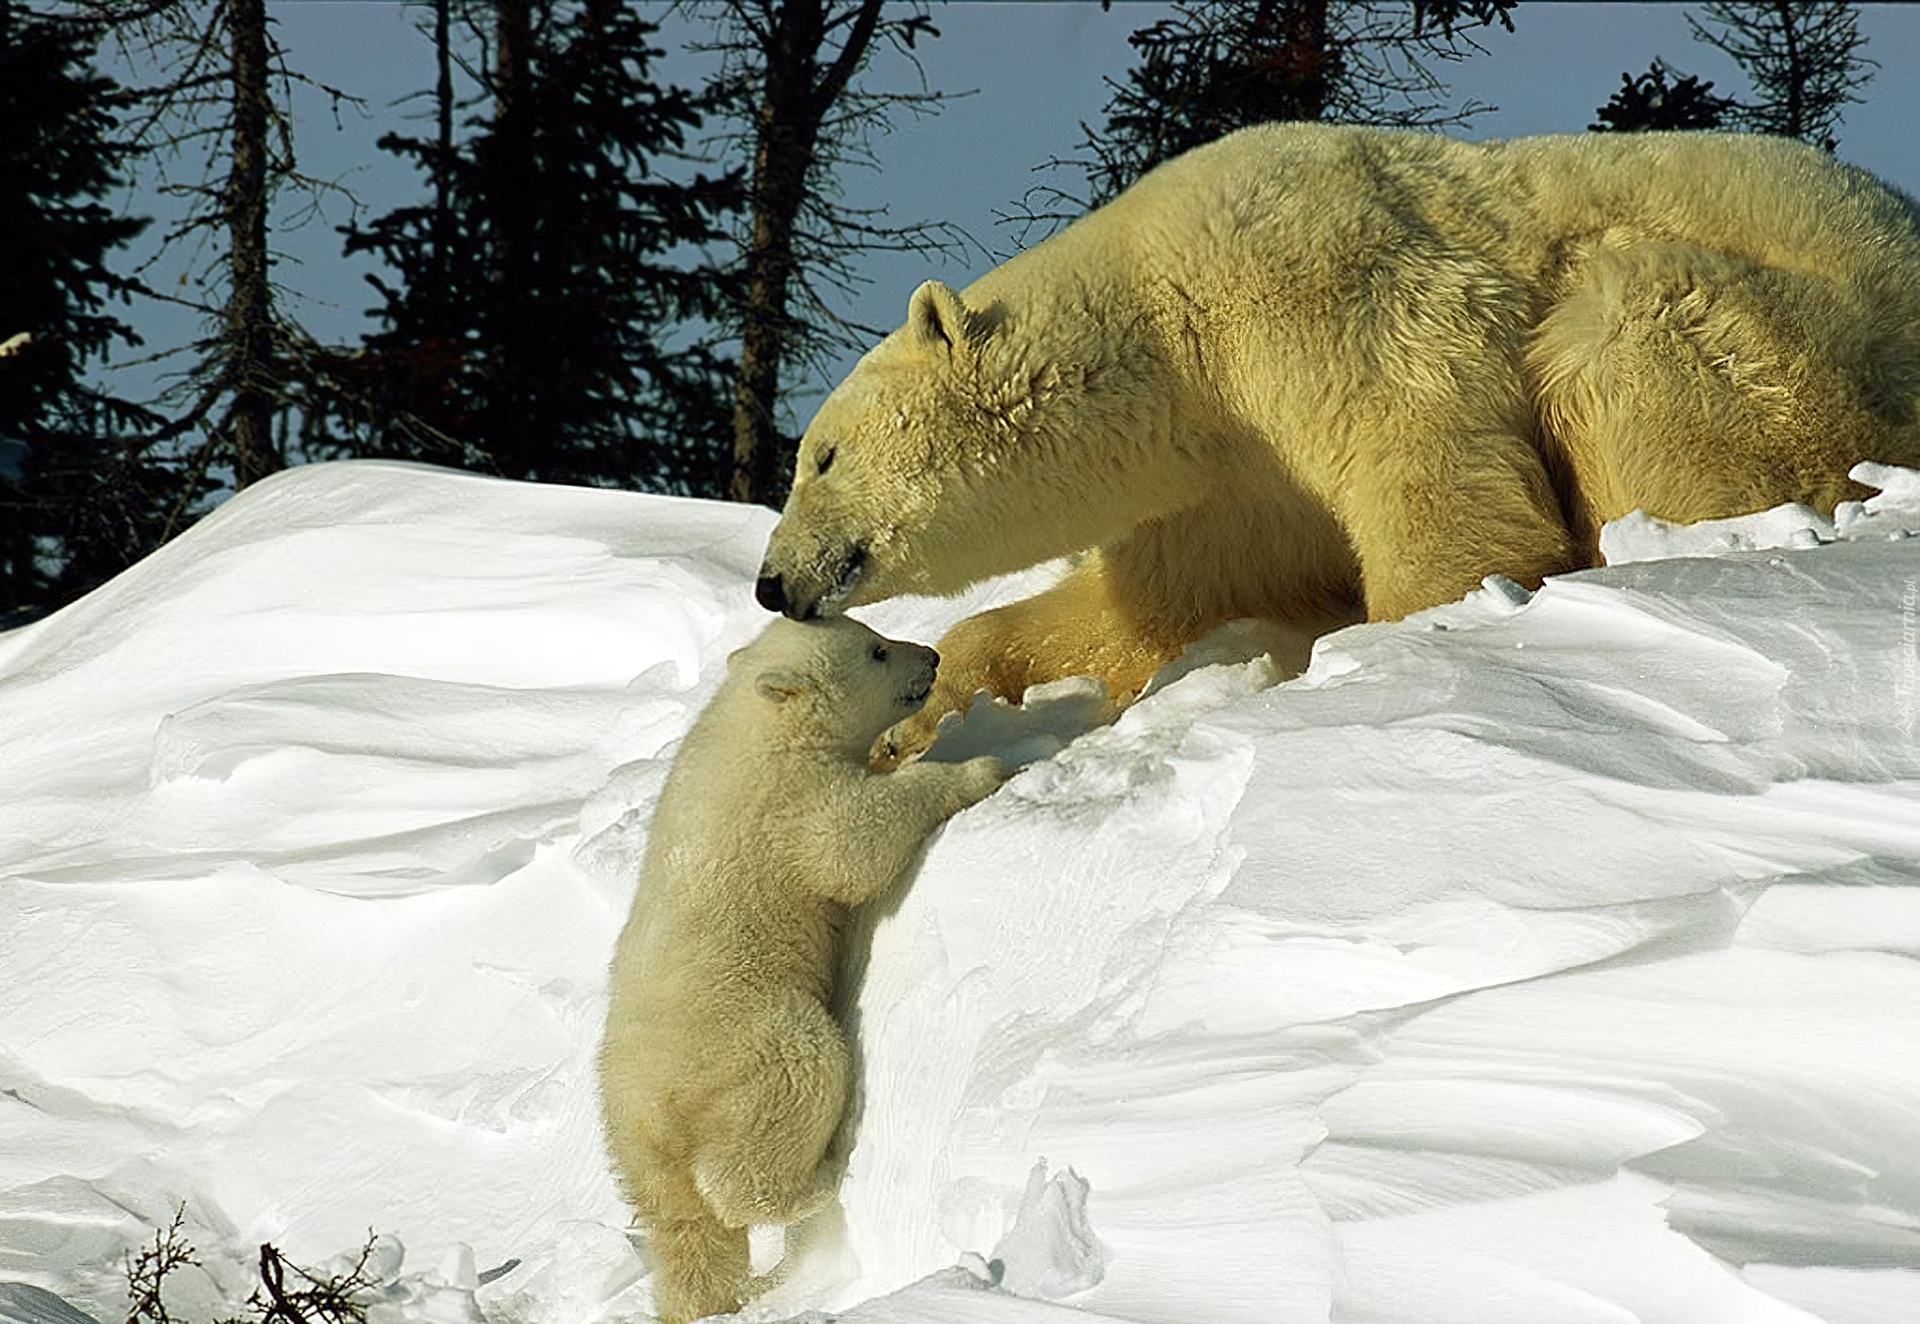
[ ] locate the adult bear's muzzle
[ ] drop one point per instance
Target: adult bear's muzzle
(771, 593)
(792, 597)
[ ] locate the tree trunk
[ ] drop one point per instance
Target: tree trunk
(249, 316)
(513, 237)
(443, 162)
(1308, 51)
(1797, 72)
(795, 98)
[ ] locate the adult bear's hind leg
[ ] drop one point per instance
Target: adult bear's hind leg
(1694, 385)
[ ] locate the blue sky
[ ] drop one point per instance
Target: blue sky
(1032, 72)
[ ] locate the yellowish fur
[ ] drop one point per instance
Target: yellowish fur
(723, 1075)
(1312, 373)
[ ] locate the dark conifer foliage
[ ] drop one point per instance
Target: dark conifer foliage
(1654, 101)
(1214, 66)
(554, 314)
(75, 504)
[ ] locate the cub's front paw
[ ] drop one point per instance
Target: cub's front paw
(983, 776)
(903, 741)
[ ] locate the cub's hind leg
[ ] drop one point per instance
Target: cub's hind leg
(700, 1266)
(760, 1156)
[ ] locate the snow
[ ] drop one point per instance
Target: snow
(1541, 957)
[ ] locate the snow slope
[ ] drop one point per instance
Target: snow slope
(1543, 959)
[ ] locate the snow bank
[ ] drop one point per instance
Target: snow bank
(1539, 957)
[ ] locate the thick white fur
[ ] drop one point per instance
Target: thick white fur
(723, 1075)
(1307, 373)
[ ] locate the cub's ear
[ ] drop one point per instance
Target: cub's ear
(937, 319)
(779, 686)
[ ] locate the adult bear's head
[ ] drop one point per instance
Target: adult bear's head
(968, 443)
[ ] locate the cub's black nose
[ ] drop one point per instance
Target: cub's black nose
(771, 593)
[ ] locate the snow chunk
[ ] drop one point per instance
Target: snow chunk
(1893, 513)
(1044, 722)
(1051, 1252)
(1638, 536)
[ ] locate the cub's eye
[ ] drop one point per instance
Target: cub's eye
(825, 462)
(879, 653)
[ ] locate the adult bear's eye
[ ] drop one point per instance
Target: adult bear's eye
(879, 653)
(824, 463)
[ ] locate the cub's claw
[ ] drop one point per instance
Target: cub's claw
(904, 741)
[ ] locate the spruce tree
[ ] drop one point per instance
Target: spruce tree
(791, 80)
(554, 315)
(219, 105)
(76, 498)
(212, 123)
(1214, 66)
(1803, 58)
(1655, 101)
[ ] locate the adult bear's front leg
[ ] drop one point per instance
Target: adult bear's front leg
(1450, 503)
(1072, 629)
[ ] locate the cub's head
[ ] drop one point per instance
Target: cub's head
(929, 467)
(833, 682)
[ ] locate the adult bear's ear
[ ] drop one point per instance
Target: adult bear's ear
(937, 319)
(779, 686)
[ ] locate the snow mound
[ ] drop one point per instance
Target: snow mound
(1541, 957)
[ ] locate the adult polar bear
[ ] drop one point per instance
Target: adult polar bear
(1308, 370)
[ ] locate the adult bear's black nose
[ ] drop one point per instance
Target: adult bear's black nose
(771, 593)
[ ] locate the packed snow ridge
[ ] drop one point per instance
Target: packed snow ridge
(1541, 957)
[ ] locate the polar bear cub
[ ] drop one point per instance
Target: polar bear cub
(723, 1075)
